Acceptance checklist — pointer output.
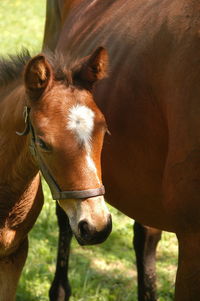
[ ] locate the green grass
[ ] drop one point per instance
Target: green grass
(99, 273)
(21, 25)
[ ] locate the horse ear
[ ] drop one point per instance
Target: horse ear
(94, 67)
(38, 76)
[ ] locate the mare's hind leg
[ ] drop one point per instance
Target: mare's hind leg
(188, 274)
(145, 243)
(10, 271)
(60, 288)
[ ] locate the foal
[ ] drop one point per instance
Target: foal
(50, 122)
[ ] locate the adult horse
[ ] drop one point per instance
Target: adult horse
(50, 122)
(151, 103)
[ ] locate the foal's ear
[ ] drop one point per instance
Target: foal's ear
(94, 67)
(38, 76)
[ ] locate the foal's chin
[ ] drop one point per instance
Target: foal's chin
(89, 219)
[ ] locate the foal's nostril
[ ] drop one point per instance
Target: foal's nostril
(88, 234)
(84, 229)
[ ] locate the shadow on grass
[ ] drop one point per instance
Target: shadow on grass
(95, 283)
(85, 281)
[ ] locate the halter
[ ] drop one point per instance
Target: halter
(56, 192)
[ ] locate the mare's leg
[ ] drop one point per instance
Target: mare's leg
(188, 274)
(10, 271)
(60, 288)
(145, 243)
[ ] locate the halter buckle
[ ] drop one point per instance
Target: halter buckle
(26, 113)
(27, 125)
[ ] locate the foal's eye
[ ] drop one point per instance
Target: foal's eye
(42, 144)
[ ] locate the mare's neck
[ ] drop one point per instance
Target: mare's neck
(18, 168)
(56, 14)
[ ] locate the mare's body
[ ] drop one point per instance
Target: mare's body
(151, 103)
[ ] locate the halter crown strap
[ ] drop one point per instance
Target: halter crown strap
(57, 193)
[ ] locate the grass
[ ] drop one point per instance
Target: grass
(99, 273)
(21, 25)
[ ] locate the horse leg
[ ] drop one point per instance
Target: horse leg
(10, 271)
(60, 289)
(188, 274)
(145, 243)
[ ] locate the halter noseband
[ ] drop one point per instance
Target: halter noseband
(56, 192)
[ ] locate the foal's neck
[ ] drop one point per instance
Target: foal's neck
(18, 168)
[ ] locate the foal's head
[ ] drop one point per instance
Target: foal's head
(67, 136)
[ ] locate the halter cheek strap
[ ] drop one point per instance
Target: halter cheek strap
(56, 192)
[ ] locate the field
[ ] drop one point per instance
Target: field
(99, 273)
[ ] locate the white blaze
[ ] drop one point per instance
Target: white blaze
(91, 166)
(81, 122)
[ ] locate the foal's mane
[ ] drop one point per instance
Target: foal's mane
(12, 68)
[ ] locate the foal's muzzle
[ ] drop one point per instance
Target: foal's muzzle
(88, 235)
(90, 219)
